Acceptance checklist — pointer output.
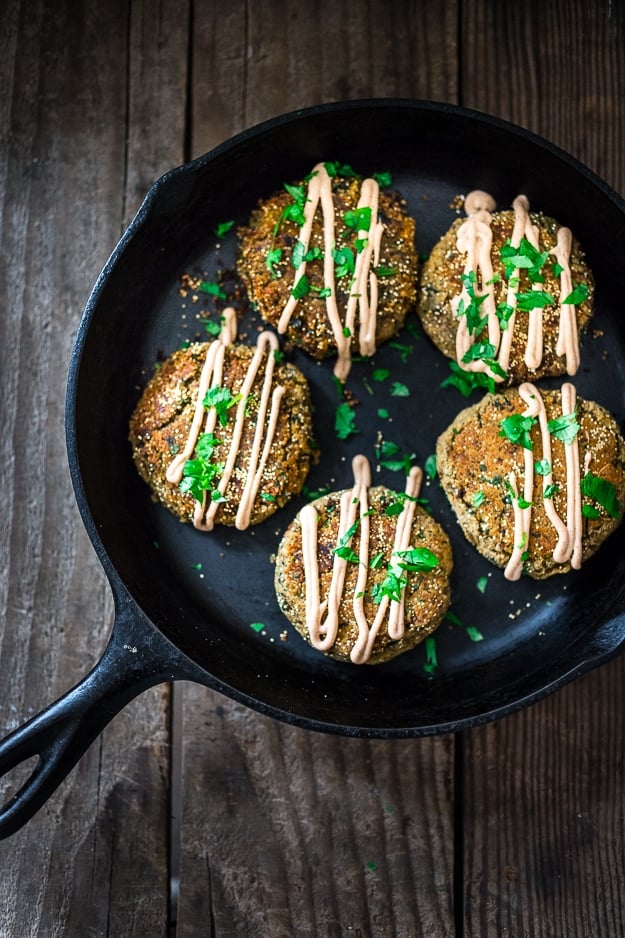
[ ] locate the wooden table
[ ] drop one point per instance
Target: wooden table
(515, 828)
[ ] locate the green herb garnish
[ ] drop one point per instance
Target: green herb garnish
(516, 428)
(564, 428)
(399, 390)
(359, 219)
(223, 228)
(603, 492)
(213, 289)
(391, 457)
(467, 381)
(534, 299)
(578, 295)
(200, 473)
(222, 400)
(344, 421)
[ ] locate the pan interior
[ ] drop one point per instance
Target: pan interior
(210, 594)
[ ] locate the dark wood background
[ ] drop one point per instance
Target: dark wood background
(511, 829)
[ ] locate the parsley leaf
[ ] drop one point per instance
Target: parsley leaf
(516, 428)
(213, 289)
(301, 288)
(579, 294)
(359, 218)
(223, 228)
(344, 421)
(344, 261)
(603, 492)
(222, 400)
(390, 456)
(564, 428)
(535, 299)
(200, 474)
(467, 381)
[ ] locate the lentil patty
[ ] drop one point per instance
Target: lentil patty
(442, 280)
(474, 461)
(162, 419)
(426, 595)
(269, 235)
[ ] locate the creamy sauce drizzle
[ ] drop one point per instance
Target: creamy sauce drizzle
(569, 543)
(322, 616)
(268, 411)
(474, 238)
(363, 297)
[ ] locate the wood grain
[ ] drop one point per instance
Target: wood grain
(298, 833)
(542, 807)
(94, 861)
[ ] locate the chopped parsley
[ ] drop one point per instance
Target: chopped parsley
(300, 255)
(344, 261)
(213, 289)
(467, 381)
(564, 428)
(430, 466)
(390, 456)
(222, 400)
(223, 228)
(399, 390)
(359, 219)
(525, 257)
(431, 660)
(579, 294)
(516, 428)
(601, 491)
(413, 560)
(200, 474)
(534, 299)
(344, 421)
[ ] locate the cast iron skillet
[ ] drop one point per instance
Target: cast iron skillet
(186, 603)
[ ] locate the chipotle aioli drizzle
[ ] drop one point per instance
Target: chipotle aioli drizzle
(268, 410)
(363, 295)
(474, 238)
(569, 543)
(322, 615)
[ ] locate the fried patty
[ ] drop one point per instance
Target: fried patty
(475, 458)
(426, 594)
(162, 419)
(268, 248)
(441, 281)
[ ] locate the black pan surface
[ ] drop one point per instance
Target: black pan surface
(212, 595)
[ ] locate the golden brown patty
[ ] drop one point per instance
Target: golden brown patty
(474, 461)
(161, 422)
(441, 281)
(266, 265)
(426, 595)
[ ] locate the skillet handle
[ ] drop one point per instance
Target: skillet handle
(137, 657)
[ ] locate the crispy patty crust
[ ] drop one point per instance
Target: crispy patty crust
(162, 420)
(443, 277)
(270, 248)
(475, 458)
(426, 594)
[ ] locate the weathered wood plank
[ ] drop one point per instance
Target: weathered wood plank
(557, 69)
(543, 795)
(543, 820)
(255, 61)
(286, 832)
(79, 79)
